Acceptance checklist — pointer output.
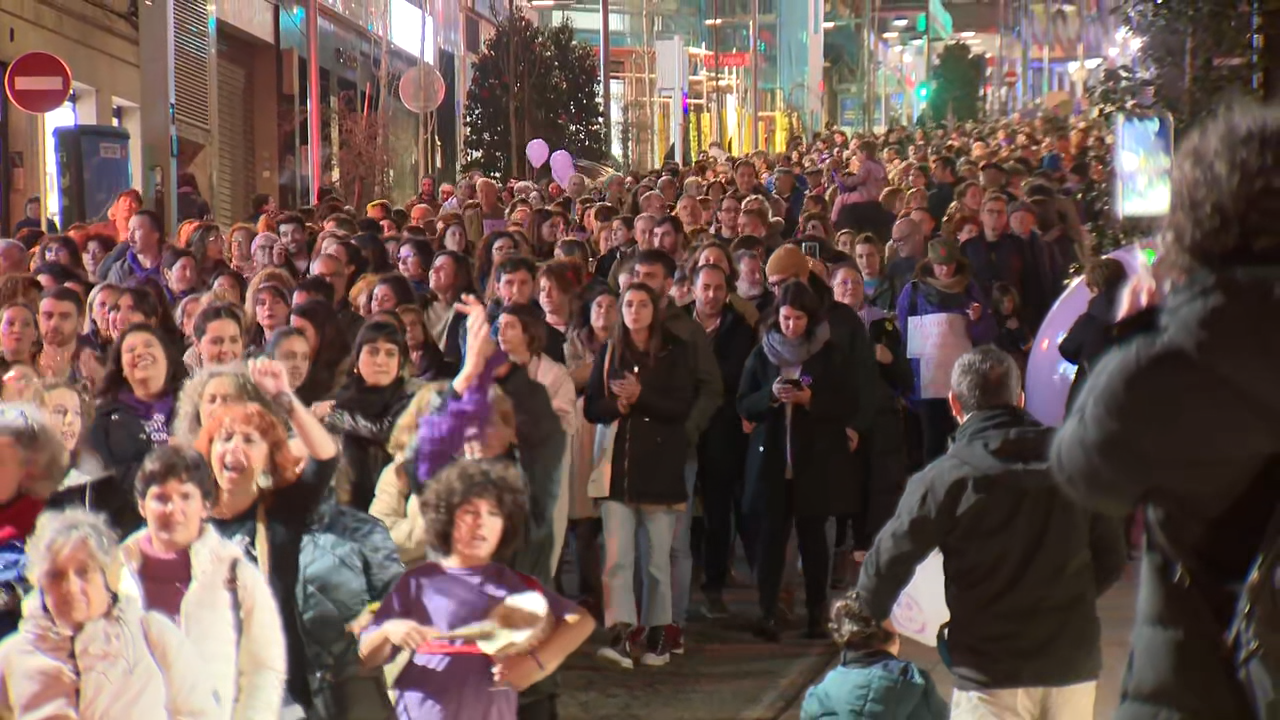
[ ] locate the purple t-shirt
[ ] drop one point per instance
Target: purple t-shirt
(455, 686)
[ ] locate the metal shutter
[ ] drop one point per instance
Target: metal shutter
(235, 182)
(192, 53)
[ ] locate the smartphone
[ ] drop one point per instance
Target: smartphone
(811, 249)
(1143, 165)
(793, 382)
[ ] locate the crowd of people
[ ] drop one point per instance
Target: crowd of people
(295, 467)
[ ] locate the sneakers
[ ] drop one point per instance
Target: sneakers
(715, 607)
(677, 639)
(658, 643)
(622, 640)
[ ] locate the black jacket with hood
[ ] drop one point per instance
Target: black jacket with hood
(1186, 418)
(1024, 564)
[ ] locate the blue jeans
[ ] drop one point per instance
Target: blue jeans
(622, 523)
(681, 554)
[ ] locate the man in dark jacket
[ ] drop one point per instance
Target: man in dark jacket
(944, 187)
(1186, 417)
(1024, 564)
(722, 448)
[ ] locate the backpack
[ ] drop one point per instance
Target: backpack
(1252, 639)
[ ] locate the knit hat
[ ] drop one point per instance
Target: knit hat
(1018, 207)
(788, 261)
(944, 252)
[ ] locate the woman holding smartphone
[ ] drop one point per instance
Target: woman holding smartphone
(798, 401)
(642, 382)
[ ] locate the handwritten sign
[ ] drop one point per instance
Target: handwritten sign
(922, 609)
(937, 340)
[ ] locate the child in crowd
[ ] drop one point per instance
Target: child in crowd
(474, 511)
(871, 682)
(1014, 337)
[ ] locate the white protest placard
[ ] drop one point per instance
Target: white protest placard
(922, 609)
(937, 340)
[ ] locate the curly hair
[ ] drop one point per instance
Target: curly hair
(284, 465)
(57, 531)
(497, 481)
(186, 419)
(852, 626)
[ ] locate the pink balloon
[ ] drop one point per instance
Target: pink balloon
(562, 167)
(537, 152)
(1048, 375)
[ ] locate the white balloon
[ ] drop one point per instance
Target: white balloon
(1049, 377)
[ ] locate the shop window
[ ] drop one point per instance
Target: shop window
(64, 116)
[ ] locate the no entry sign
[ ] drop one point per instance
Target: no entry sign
(38, 82)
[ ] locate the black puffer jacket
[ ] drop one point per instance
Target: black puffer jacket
(650, 447)
(1187, 418)
(1024, 564)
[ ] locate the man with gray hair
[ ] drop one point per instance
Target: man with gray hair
(1025, 565)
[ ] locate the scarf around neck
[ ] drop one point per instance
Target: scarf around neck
(791, 352)
(373, 403)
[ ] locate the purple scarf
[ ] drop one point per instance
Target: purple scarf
(155, 414)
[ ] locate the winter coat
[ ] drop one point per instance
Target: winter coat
(564, 400)
(849, 334)
(865, 187)
(1027, 264)
(722, 448)
(344, 561)
(920, 298)
(347, 562)
(119, 437)
(102, 493)
(651, 444)
(1087, 339)
(702, 362)
(400, 509)
(125, 664)
(874, 685)
(1024, 565)
(1186, 417)
(824, 480)
(364, 442)
(230, 615)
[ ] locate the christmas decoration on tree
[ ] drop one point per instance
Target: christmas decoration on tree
(957, 84)
(532, 82)
(1190, 59)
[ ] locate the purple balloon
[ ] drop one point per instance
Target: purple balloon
(537, 152)
(1048, 375)
(562, 167)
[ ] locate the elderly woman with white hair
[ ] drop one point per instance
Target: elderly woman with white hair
(82, 652)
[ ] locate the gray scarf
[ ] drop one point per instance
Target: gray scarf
(787, 352)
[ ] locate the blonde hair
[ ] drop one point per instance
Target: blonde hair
(266, 276)
(404, 434)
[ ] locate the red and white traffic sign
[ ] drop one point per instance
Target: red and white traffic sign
(38, 82)
(1011, 77)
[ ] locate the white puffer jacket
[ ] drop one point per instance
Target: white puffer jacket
(248, 669)
(126, 664)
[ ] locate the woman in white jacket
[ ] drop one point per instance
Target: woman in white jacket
(181, 567)
(81, 653)
(522, 335)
